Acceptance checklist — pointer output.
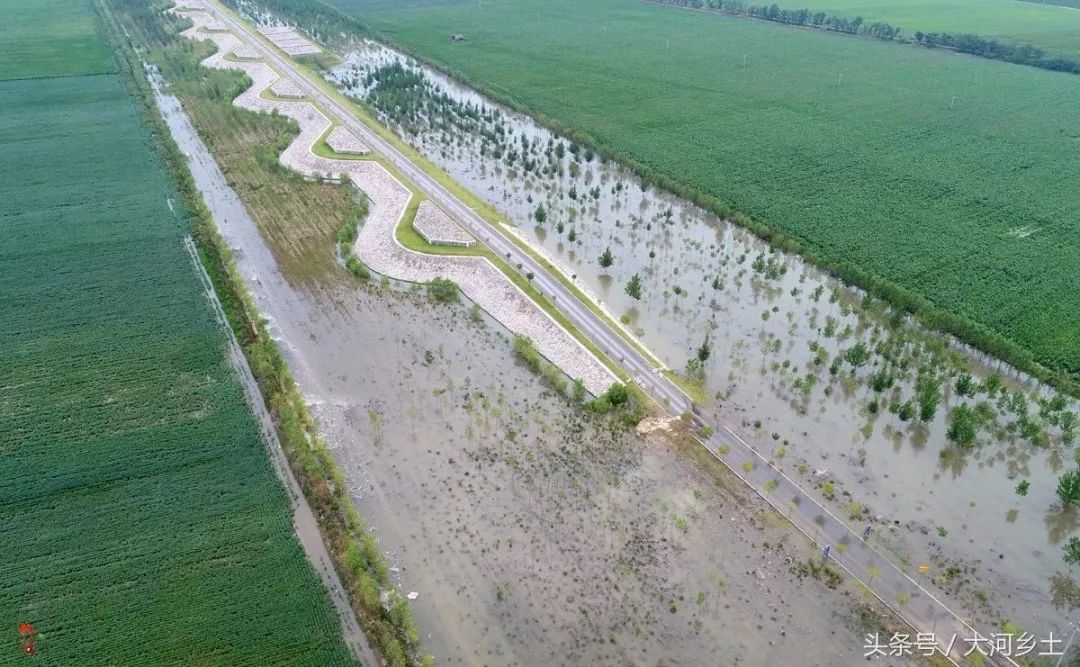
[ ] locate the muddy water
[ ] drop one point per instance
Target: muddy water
(532, 533)
(700, 278)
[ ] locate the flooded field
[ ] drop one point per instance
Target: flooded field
(530, 532)
(888, 422)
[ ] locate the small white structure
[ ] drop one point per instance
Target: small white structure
(438, 228)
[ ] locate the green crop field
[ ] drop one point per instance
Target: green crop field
(946, 174)
(140, 518)
(50, 38)
(1054, 28)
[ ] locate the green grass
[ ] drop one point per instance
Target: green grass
(50, 38)
(883, 175)
(141, 520)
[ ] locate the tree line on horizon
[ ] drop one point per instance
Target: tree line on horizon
(970, 43)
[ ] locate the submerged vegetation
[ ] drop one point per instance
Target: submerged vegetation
(895, 257)
(346, 238)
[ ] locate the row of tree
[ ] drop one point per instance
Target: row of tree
(1021, 54)
(805, 17)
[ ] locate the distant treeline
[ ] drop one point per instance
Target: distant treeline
(1020, 54)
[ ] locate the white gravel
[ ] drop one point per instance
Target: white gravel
(290, 41)
(286, 88)
(438, 228)
(246, 53)
(376, 244)
(342, 140)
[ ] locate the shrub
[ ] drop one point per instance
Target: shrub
(443, 290)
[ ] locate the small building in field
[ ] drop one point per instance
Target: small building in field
(457, 37)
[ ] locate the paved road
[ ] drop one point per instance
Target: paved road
(903, 594)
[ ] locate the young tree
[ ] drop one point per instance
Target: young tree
(1068, 488)
(962, 429)
(633, 288)
(928, 397)
(704, 350)
(1072, 551)
(540, 213)
(906, 411)
(965, 385)
(857, 355)
(1022, 487)
(607, 259)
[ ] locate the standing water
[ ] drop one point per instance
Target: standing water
(891, 423)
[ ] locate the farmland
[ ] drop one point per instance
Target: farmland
(942, 174)
(142, 522)
(65, 44)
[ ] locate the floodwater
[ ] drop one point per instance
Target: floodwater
(532, 532)
(993, 554)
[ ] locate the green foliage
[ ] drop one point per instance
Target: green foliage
(857, 355)
(962, 426)
(905, 411)
(1072, 551)
(1068, 488)
(965, 385)
(346, 237)
(527, 352)
(1023, 487)
(617, 394)
(855, 510)
(704, 350)
(443, 290)
(881, 380)
(928, 396)
(633, 287)
(606, 259)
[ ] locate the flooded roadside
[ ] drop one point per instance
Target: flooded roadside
(531, 533)
(851, 398)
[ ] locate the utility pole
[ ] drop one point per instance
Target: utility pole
(1067, 646)
(953, 102)
(839, 79)
(744, 60)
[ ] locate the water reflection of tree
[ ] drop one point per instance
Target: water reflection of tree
(953, 460)
(1060, 522)
(918, 435)
(1064, 592)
